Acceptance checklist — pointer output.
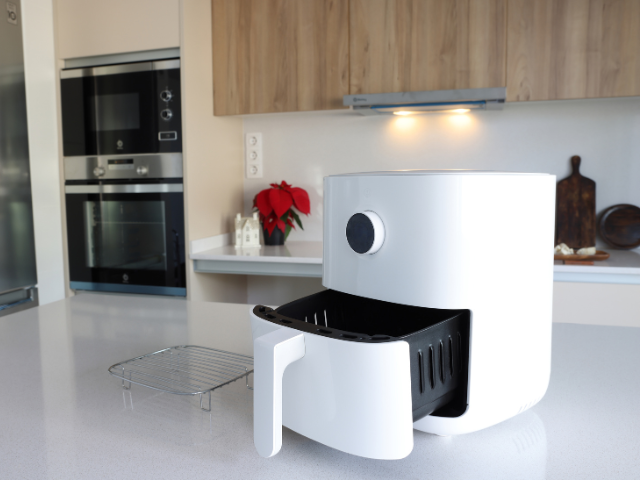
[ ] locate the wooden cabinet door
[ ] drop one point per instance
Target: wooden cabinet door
(562, 49)
(279, 55)
(413, 45)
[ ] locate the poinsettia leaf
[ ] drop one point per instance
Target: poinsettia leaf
(280, 201)
(270, 222)
(270, 227)
(285, 186)
(290, 223)
(281, 225)
(287, 232)
(263, 202)
(301, 200)
(297, 219)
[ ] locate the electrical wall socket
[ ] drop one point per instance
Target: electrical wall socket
(253, 155)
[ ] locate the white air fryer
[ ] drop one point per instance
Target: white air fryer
(437, 315)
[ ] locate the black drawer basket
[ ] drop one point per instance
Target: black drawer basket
(438, 340)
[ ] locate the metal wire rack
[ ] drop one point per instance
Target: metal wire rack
(185, 370)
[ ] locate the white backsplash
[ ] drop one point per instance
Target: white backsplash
(302, 148)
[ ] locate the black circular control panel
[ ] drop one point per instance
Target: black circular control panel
(360, 233)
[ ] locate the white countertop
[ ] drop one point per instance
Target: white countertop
(64, 416)
(304, 259)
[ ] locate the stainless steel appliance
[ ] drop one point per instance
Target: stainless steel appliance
(126, 109)
(126, 230)
(122, 140)
(17, 245)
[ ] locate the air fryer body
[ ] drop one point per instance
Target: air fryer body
(470, 252)
(459, 240)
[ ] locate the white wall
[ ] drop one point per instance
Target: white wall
(596, 304)
(302, 148)
(41, 81)
(212, 150)
(98, 27)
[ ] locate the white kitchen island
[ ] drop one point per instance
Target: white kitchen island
(64, 416)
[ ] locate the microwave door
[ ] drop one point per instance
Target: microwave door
(109, 114)
(124, 110)
(79, 133)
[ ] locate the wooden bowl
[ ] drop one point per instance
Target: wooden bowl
(619, 226)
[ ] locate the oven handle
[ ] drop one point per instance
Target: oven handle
(137, 188)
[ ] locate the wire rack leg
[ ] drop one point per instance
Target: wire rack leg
(246, 378)
(203, 408)
(124, 398)
(123, 385)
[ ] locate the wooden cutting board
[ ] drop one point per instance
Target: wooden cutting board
(576, 209)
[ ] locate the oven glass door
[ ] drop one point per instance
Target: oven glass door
(127, 242)
(122, 113)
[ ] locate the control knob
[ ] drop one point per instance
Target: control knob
(166, 95)
(166, 114)
(365, 232)
(142, 170)
(98, 171)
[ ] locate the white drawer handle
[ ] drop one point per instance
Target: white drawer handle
(272, 352)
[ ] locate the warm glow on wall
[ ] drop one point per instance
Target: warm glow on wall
(460, 120)
(404, 113)
(403, 123)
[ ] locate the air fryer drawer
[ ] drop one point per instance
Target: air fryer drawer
(438, 340)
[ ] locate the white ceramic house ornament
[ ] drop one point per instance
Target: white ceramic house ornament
(247, 231)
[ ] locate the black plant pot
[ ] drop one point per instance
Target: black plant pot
(276, 238)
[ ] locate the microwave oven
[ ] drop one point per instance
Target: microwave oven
(124, 109)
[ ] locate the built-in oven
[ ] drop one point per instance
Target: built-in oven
(131, 108)
(122, 141)
(126, 236)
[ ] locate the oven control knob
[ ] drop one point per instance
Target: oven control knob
(166, 114)
(166, 95)
(365, 232)
(142, 170)
(98, 171)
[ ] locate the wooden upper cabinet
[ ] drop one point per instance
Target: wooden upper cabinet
(413, 45)
(279, 55)
(562, 49)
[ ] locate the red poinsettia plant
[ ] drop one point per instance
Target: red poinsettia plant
(276, 205)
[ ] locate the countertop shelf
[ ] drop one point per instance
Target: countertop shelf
(304, 259)
(295, 259)
(623, 266)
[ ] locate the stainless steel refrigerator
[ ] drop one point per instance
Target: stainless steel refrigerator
(17, 245)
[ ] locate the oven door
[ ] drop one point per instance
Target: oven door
(121, 109)
(127, 238)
